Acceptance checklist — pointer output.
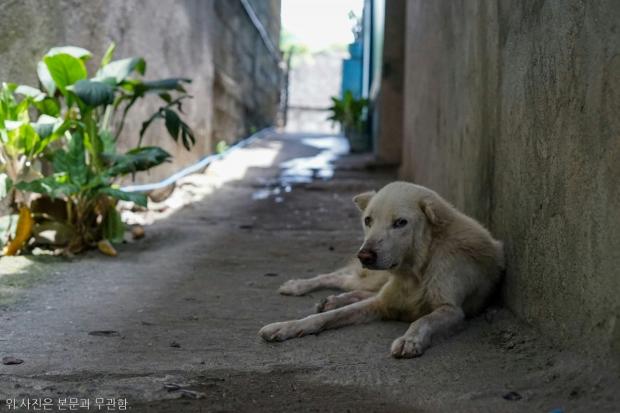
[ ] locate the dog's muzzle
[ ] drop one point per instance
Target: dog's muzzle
(367, 257)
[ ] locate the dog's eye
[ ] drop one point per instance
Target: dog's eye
(368, 221)
(399, 223)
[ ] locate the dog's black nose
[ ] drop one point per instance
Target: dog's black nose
(367, 257)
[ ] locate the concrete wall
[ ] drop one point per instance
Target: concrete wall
(389, 113)
(235, 80)
(512, 112)
(313, 80)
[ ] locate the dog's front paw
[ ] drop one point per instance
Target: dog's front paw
(408, 346)
(280, 331)
(294, 287)
(328, 303)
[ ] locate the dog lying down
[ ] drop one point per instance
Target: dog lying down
(422, 261)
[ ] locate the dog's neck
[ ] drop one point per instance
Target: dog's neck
(408, 269)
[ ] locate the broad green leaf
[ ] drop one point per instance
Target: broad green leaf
(46, 78)
(93, 93)
(72, 162)
(9, 86)
(21, 110)
(45, 125)
(10, 125)
(56, 186)
(7, 104)
(65, 70)
(173, 123)
(10, 109)
(48, 106)
(187, 136)
(74, 51)
(120, 69)
(6, 93)
(22, 138)
(107, 57)
(166, 97)
(107, 80)
(134, 197)
(49, 129)
(32, 92)
(5, 185)
(113, 227)
(138, 159)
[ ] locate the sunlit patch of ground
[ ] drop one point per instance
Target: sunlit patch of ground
(21, 272)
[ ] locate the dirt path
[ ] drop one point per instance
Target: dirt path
(182, 308)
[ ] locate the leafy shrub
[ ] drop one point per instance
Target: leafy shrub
(349, 112)
(60, 140)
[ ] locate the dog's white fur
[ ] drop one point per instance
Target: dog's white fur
(434, 270)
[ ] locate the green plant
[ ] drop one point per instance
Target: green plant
(221, 147)
(349, 112)
(23, 141)
(79, 122)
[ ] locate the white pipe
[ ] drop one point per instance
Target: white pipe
(198, 166)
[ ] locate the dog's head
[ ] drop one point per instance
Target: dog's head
(398, 222)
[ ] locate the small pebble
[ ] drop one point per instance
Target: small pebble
(9, 361)
(137, 232)
(512, 396)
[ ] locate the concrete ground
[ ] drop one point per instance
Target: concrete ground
(170, 324)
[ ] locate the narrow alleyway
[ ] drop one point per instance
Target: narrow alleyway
(182, 307)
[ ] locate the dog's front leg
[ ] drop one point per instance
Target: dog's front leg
(418, 337)
(360, 312)
(342, 279)
(336, 301)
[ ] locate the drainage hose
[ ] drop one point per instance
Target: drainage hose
(198, 166)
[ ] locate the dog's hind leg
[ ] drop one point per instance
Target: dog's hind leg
(346, 278)
(336, 301)
(357, 313)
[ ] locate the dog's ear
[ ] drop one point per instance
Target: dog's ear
(430, 210)
(363, 199)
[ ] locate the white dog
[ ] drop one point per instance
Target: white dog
(422, 261)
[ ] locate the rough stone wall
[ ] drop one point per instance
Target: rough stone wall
(235, 81)
(512, 112)
(247, 77)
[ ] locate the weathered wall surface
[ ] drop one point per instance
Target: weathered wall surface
(388, 145)
(246, 87)
(235, 80)
(512, 112)
(313, 80)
